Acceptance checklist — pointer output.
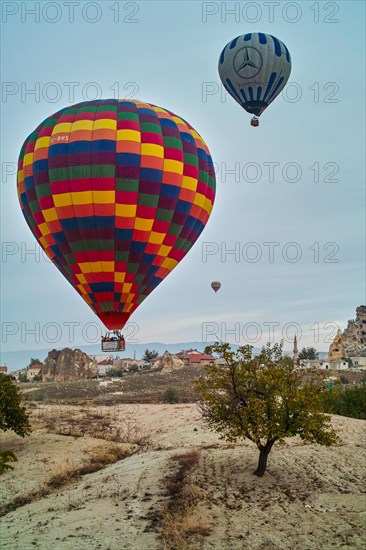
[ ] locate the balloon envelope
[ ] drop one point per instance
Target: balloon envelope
(116, 192)
(254, 69)
(215, 285)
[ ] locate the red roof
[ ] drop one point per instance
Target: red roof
(105, 362)
(36, 366)
(198, 357)
(3, 369)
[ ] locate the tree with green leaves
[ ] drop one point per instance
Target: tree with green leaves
(263, 398)
(149, 355)
(308, 353)
(34, 361)
(13, 416)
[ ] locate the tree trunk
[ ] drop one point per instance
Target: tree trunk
(263, 456)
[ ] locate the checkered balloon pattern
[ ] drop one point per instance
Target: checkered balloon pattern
(116, 192)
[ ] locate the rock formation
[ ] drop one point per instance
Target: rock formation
(336, 351)
(352, 342)
(169, 362)
(354, 336)
(68, 364)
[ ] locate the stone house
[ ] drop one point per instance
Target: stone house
(126, 363)
(196, 358)
(358, 363)
(104, 366)
(339, 364)
(313, 364)
(34, 370)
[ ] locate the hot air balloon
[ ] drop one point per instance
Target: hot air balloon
(116, 193)
(254, 69)
(215, 285)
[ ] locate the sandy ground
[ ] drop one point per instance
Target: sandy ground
(310, 498)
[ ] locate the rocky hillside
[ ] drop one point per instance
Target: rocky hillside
(68, 364)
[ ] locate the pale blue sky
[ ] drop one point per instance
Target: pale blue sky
(169, 57)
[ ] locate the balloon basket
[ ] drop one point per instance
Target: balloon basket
(113, 346)
(113, 342)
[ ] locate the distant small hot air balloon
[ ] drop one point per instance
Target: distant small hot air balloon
(116, 193)
(215, 285)
(254, 69)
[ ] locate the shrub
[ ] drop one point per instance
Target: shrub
(171, 395)
(133, 368)
(350, 402)
(115, 373)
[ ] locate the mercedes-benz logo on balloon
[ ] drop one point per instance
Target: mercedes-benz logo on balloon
(247, 62)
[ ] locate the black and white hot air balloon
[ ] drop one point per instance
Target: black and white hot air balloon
(254, 69)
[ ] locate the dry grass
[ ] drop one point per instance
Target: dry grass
(98, 460)
(76, 421)
(183, 523)
(184, 530)
(141, 387)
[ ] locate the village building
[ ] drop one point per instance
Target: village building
(184, 358)
(185, 352)
(106, 363)
(196, 358)
(104, 366)
(321, 364)
(126, 363)
(152, 362)
(20, 372)
(339, 364)
(99, 358)
(3, 369)
(34, 370)
(313, 364)
(358, 363)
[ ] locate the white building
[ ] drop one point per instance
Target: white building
(34, 370)
(103, 369)
(314, 364)
(104, 365)
(358, 363)
(321, 364)
(126, 363)
(338, 364)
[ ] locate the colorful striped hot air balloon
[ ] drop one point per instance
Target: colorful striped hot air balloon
(254, 69)
(116, 192)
